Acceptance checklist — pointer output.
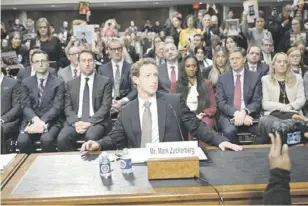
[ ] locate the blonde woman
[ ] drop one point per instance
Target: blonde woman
(283, 91)
(220, 65)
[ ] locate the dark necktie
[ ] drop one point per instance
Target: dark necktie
(237, 93)
(75, 73)
(117, 79)
(86, 102)
(41, 90)
(172, 80)
(146, 130)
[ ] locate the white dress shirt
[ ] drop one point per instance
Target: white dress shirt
(153, 109)
(72, 70)
(252, 65)
(39, 77)
(192, 98)
(32, 71)
(267, 58)
(82, 85)
(242, 86)
(176, 69)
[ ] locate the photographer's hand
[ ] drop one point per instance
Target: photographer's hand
(279, 157)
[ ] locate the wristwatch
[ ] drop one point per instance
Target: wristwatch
(247, 111)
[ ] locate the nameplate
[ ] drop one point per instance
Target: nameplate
(166, 150)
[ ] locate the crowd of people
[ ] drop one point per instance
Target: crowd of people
(224, 83)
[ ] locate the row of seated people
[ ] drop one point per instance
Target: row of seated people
(87, 101)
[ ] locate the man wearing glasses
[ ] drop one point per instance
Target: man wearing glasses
(118, 71)
(72, 71)
(42, 102)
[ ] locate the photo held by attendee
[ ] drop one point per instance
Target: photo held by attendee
(150, 117)
(88, 100)
(42, 101)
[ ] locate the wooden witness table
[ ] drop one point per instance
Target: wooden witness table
(10, 170)
(86, 189)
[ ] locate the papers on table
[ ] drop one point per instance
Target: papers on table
(140, 155)
(6, 159)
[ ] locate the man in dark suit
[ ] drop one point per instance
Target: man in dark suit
(152, 117)
(72, 71)
(42, 100)
(87, 105)
(267, 53)
(238, 105)
(118, 71)
(10, 109)
(168, 74)
(29, 70)
(253, 62)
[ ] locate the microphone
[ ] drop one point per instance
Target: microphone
(177, 122)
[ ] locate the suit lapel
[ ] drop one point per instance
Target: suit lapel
(123, 71)
(246, 85)
(69, 72)
(110, 71)
(135, 120)
(75, 90)
(28, 71)
(34, 87)
(161, 109)
(95, 89)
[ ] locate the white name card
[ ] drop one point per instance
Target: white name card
(165, 150)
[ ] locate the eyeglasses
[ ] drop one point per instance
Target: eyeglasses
(268, 45)
(119, 49)
(86, 60)
(44, 61)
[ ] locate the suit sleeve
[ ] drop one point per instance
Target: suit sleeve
(221, 100)
(255, 104)
(211, 110)
(198, 128)
(26, 103)
(306, 85)
(71, 116)
(58, 104)
(20, 74)
(133, 91)
(15, 111)
(103, 113)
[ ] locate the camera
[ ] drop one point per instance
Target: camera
(291, 131)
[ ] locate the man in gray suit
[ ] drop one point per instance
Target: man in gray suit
(253, 61)
(72, 71)
(238, 97)
(152, 117)
(168, 74)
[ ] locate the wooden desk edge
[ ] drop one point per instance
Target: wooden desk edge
(12, 169)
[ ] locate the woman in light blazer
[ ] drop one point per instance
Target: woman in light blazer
(283, 91)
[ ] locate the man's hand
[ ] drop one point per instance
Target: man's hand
(37, 127)
(201, 115)
(116, 104)
(79, 127)
(228, 145)
(86, 125)
(248, 120)
(90, 146)
(239, 118)
(279, 158)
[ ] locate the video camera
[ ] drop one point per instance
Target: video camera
(291, 131)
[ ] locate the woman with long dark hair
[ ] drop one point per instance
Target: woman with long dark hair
(197, 92)
(176, 28)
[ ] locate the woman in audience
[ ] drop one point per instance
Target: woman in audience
(220, 65)
(296, 61)
(283, 91)
(187, 35)
(300, 44)
(151, 51)
(202, 61)
(48, 43)
(14, 44)
(176, 27)
(230, 42)
(197, 92)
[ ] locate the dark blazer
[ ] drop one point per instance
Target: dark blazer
(262, 57)
(163, 78)
(127, 128)
(10, 100)
(262, 69)
(225, 92)
(26, 72)
(65, 74)
(127, 88)
(101, 100)
(52, 101)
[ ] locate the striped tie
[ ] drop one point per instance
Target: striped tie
(41, 90)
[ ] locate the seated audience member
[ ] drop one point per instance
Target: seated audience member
(202, 61)
(197, 92)
(238, 106)
(150, 52)
(72, 71)
(118, 71)
(87, 105)
(296, 61)
(220, 65)
(300, 44)
(253, 61)
(150, 118)
(159, 53)
(283, 91)
(29, 71)
(209, 50)
(10, 109)
(230, 43)
(42, 100)
(267, 53)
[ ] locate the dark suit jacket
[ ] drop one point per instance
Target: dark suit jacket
(163, 78)
(127, 128)
(101, 100)
(26, 72)
(10, 100)
(65, 74)
(52, 101)
(225, 92)
(126, 86)
(262, 57)
(262, 69)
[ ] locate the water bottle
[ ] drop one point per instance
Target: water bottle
(104, 165)
(126, 162)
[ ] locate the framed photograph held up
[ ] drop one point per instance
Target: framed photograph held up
(85, 35)
(232, 26)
